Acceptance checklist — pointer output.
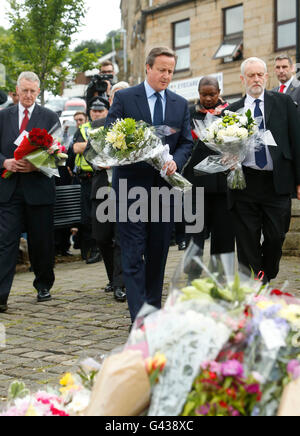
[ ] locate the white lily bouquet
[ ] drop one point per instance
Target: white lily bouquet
(128, 142)
(232, 137)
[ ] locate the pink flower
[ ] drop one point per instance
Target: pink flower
(253, 389)
(203, 410)
(293, 369)
(232, 368)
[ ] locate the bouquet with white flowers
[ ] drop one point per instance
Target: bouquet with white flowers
(128, 142)
(232, 137)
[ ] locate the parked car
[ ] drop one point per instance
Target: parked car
(75, 105)
(56, 105)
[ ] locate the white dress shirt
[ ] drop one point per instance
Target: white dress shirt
(150, 92)
(287, 85)
(250, 158)
(21, 113)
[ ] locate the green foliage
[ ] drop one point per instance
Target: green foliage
(84, 60)
(10, 59)
(94, 46)
(17, 390)
(43, 30)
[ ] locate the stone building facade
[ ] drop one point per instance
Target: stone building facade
(209, 36)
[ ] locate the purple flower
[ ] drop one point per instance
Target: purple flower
(232, 368)
(203, 410)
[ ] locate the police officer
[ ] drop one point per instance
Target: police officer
(89, 249)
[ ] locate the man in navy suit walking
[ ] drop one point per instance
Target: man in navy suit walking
(145, 246)
(27, 197)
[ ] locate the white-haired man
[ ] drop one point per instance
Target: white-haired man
(27, 197)
(272, 174)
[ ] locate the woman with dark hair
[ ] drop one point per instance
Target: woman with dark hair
(218, 221)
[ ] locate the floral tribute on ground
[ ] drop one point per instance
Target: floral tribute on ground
(223, 345)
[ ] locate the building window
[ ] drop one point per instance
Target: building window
(286, 24)
(182, 42)
(231, 48)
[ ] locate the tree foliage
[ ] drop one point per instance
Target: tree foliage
(10, 59)
(43, 31)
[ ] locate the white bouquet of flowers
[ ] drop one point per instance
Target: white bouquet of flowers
(128, 142)
(231, 137)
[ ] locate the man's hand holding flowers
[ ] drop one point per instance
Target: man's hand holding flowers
(20, 166)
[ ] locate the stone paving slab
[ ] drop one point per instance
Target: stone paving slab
(45, 340)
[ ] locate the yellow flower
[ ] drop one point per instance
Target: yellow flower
(157, 363)
(291, 313)
(263, 305)
(67, 380)
(31, 411)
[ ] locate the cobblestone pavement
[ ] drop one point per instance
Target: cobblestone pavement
(45, 340)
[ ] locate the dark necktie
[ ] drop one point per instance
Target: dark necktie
(158, 116)
(25, 121)
(261, 153)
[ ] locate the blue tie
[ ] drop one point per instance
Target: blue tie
(158, 116)
(261, 154)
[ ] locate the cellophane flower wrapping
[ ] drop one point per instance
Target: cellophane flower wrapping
(128, 142)
(43, 150)
(232, 137)
(48, 161)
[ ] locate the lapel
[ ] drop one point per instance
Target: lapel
(34, 118)
(170, 107)
(268, 106)
(142, 103)
(292, 88)
(14, 120)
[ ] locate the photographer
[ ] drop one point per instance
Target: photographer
(101, 83)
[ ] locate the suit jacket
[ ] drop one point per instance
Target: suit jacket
(38, 189)
(282, 120)
(133, 103)
(293, 91)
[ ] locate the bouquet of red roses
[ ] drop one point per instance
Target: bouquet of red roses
(42, 151)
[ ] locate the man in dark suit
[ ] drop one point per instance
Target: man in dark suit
(272, 174)
(145, 246)
(27, 197)
(288, 84)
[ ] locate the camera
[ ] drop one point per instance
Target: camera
(98, 86)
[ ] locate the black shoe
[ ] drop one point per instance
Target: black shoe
(43, 295)
(109, 288)
(182, 246)
(119, 294)
(95, 258)
(66, 254)
(3, 308)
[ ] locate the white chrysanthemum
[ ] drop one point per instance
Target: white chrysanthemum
(221, 134)
(232, 130)
(243, 133)
(243, 121)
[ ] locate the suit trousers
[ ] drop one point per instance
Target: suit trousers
(145, 248)
(259, 211)
(107, 239)
(38, 221)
